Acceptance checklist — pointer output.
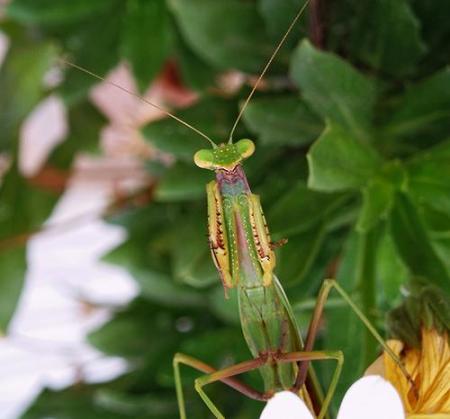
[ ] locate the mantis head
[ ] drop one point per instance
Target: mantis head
(225, 156)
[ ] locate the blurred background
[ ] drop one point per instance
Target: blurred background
(105, 272)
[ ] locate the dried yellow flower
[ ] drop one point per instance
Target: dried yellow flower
(429, 368)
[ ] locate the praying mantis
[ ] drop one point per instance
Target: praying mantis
(243, 253)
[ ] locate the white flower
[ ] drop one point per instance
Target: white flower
(370, 397)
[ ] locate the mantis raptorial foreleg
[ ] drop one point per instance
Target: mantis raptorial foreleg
(225, 375)
(261, 232)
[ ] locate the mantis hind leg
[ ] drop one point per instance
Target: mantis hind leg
(327, 286)
(224, 375)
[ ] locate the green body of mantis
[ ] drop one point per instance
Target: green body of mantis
(242, 251)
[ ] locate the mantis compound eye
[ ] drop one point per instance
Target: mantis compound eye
(205, 159)
(245, 148)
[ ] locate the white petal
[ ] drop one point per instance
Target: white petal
(285, 405)
(371, 397)
(41, 132)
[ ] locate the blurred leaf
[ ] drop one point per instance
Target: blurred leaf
(378, 197)
(296, 257)
(225, 309)
(425, 306)
(133, 405)
(183, 183)
(413, 243)
(12, 276)
(151, 272)
(435, 31)
(337, 161)
(195, 72)
(192, 264)
(226, 34)
(279, 15)
(388, 36)
(212, 116)
(145, 39)
(21, 86)
(391, 271)
(429, 177)
(282, 121)
(48, 12)
(424, 105)
(23, 208)
(161, 289)
(436, 222)
(140, 331)
(85, 123)
(72, 403)
(147, 256)
(94, 49)
(299, 209)
(349, 339)
(334, 89)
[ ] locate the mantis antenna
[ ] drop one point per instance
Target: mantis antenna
(266, 67)
(143, 99)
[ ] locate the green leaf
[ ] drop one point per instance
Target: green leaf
(429, 177)
(85, 123)
(388, 36)
(21, 86)
(435, 31)
(334, 89)
(93, 49)
(279, 15)
(192, 264)
(282, 120)
(195, 72)
(146, 38)
(23, 208)
(137, 405)
(349, 339)
(425, 306)
(424, 105)
(151, 270)
(72, 403)
(378, 197)
(225, 309)
(337, 161)
(413, 243)
(129, 333)
(299, 209)
(296, 258)
(49, 12)
(212, 116)
(392, 273)
(183, 183)
(226, 34)
(12, 276)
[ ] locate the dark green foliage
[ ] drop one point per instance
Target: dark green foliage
(352, 164)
